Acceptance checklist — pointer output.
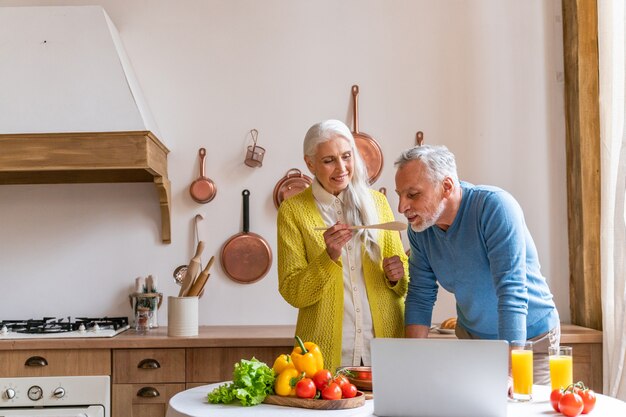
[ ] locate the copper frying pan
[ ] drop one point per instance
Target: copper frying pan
(202, 190)
(246, 257)
(368, 147)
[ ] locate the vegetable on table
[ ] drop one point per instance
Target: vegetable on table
(285, 384)
(282, 362)
(307, 357)
(252, 381)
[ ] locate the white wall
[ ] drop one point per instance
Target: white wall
(483, 77)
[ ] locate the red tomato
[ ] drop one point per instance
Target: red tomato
(571, 404)
(322, 378)
(331, 392)
(341, 380)
(348, 391)
(555, 397)
(305, 388)
(589, 400)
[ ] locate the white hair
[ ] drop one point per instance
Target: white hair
(437, 159)
(359, 204)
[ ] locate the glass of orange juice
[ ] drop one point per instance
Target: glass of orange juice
(561, 372)
(522, 369)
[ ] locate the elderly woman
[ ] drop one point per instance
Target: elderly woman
(349, 285)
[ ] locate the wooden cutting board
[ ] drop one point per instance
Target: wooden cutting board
(342, 404)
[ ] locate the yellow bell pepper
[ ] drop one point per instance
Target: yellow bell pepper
(285, 384)
(281, 363)
(307, 357)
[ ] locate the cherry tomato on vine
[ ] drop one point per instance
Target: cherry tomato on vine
(571, 404)
(341, 380)
(589, 400)
(555, 396)
(322, 378)
(348, 391)
(331, 392)
(305, 388)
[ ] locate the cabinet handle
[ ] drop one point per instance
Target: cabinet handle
(148, 392)
(36, 361)
(149, 364)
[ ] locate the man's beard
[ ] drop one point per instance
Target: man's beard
(429, 220)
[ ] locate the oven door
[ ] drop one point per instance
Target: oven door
(91, 411)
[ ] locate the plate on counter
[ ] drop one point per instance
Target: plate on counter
(444, 331)
(314, 404)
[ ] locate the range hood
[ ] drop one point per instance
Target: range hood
(71, 109)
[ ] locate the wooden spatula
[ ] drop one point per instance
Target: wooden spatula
(395, 225)
(192, 270)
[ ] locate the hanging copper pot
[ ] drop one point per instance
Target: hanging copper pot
(419, 138)
(368, 147)
(291, 184)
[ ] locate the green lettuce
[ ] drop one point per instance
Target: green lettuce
(253, 380)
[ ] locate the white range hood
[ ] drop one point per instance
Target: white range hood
(71, 109)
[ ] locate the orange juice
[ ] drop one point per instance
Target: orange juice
(561, 371)
(522, 371)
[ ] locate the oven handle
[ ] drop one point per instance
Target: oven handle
(36, 361)
(148, 392)
(149, 364)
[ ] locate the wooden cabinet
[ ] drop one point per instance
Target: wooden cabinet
(208, 365)
(144, 380)
(64, 362)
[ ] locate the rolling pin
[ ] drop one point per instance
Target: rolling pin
(200, 282)
(192, 270)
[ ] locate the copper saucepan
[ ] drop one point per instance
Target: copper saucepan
(203, 189)
(246, 257)
(289, 185)
(368, 147)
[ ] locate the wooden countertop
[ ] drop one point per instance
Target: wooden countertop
(226, 336)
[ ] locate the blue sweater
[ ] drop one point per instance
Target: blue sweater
(488, 260)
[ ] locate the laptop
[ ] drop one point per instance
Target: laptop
(440, 378)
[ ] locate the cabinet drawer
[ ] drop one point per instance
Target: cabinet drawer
(148, 365)
(142, 400)
(217, 364)
(50, 362)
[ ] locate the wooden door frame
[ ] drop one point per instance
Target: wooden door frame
(582, 118)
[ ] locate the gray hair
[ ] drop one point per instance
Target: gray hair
(437, 159)
(360, 208)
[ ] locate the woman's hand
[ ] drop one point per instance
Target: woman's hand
(335, 238)
(394, 269)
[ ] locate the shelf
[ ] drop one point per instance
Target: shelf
(92, 157)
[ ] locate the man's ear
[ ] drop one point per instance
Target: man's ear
(448, 186)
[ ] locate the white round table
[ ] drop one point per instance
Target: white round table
(193, 403)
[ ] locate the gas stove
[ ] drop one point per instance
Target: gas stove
(51, 327)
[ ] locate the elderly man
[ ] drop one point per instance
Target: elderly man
(473, 241)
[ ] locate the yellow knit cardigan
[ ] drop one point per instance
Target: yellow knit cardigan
(312, 282)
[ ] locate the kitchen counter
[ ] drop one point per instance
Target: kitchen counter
(225, 336)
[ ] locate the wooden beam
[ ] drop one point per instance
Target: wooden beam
(580, 48)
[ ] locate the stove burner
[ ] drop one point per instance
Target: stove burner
(53, 325)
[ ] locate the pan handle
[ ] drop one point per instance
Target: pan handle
(355, 108)
(202, 154)
(419, 138)
(246, 210)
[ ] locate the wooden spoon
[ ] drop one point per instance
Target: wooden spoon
(395, 225)
(200, 282)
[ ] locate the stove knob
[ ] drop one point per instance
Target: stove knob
(59, 392)
(9, 393)
(35, 393)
